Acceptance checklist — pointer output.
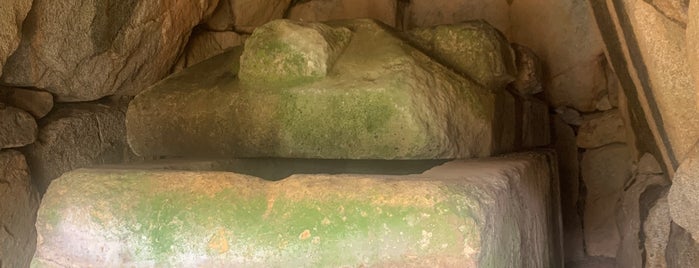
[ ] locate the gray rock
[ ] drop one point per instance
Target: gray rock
(19, 202)
(684, 193)
(85, 50)
(605, 171)
(656, 230)
(648, 165)
(629, 218)
(383, 99)
(529, 71)
(244, 16)
(38, 103)
(682, 249)
(12, 15)
(285, 53)
(475, 49)
(569, 115)
(75, 136)
(601, 129)
(17, 128)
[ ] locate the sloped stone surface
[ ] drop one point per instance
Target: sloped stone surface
(601, 129)
(475, 49)
(468, 213)
(75, 136)
(19, 202)
(85, 50)
(17, 128)
(383, 99)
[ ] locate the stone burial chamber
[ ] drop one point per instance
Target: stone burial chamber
(339, 144)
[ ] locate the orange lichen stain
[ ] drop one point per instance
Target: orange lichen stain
(325, 221)
(305, 234)
(270, 205)
(219, 242)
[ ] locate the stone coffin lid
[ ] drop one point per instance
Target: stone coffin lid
(346, 90)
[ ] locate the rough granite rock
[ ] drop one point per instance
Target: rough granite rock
(12, 15)
(206, 44)
(285, 53)
(383, 99)
(17, 128)
(629, 215)
(244, 16)
(682, 249)
(649, 165)
(692, 39)
(75, 136)
(38, 103)
(675, 10)
(494, 212)
(475, 49)
(19, 202)
(569, 115)
(385, 11)
(684, 193)
(601, 129)
(85, 50)
(425, 13)
(656, 230)
(529, 71)
(605, 172)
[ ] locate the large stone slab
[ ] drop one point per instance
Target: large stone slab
(19, 202)
(425, 13)
(382, 99)
(206, 44)
(85, 50)
(684, 194)
(38, 103)
(469, 213)
(243, 16)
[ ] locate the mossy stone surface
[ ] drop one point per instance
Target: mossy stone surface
(486, 213)
(285, 53)
(382, 99)
(474, 48)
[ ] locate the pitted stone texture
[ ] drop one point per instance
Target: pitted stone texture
(684, 194)
(605, 172)
(17, 128)
(675, 10)
(75, 136)
(656, 230)
(425, 13)
(19, 202)
(468, 213)
(529, 71)
(85, 50)
(383, 99)
(206, 44)
(12, 15)
(244, 16)
(601, 129)
(38, 103)
(285, 53)
(475, 49)
(682, 249)
(692, 36)
(385, 11)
